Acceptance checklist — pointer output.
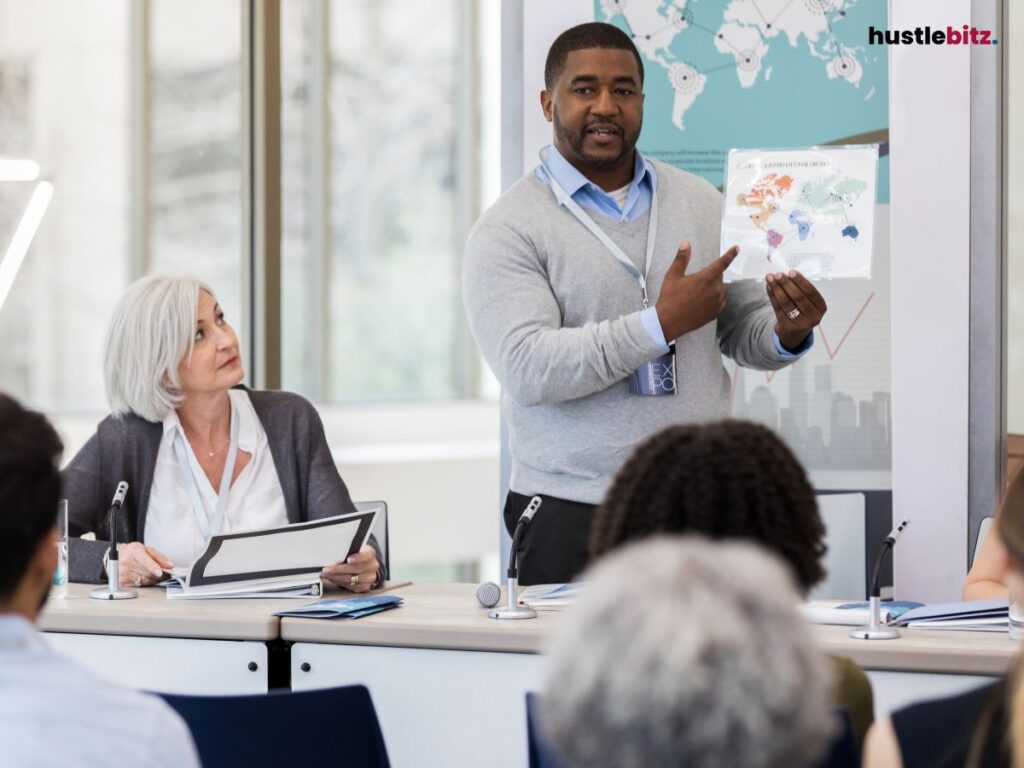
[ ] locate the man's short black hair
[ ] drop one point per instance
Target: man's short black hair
(594, 34)
(29, 488)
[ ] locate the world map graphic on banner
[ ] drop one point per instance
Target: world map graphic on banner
(724, 74)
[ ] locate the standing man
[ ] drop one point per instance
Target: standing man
(594, 289)
(52, 712)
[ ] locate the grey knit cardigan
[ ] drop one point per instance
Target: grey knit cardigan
(125, 448)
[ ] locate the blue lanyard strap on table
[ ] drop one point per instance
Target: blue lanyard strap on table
(584, 219)
(206, 527)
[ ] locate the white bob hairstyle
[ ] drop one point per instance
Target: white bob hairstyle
(152, 331)
(706, 664)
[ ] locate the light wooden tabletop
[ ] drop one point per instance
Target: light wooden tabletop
(447, 616)
(151, 614)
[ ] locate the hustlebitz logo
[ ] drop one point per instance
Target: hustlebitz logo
(965, 35)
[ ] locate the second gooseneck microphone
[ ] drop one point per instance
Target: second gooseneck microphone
(875, 630)
(113, 589)
(512, 609)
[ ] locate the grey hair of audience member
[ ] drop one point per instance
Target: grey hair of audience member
(704, 663)
(152, 331)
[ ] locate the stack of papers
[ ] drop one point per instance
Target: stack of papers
(975, 615)
(343, 608)
(853, 614)
(273, 562)
(550, 597)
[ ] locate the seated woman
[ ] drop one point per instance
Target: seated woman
(983, 728)
(678, 671)
(202, 455)
(727, 480)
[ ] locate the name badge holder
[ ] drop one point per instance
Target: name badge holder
(203, 522)
(658, 376)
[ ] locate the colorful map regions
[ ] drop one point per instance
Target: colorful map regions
(771, 186)
(803, 223)
(831, 196)
(800, 209)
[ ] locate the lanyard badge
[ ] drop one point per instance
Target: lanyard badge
(657, 377)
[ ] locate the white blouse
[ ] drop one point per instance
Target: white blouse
(255, 500)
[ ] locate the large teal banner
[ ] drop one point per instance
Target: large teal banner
(723, 74)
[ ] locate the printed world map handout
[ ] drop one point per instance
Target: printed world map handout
(812, 210)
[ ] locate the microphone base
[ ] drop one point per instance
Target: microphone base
(515, 612)
(875, 630)
(869, 633)
(105, 593)
(512, 609)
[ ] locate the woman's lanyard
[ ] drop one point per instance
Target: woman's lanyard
(206, 529)
(584, 219)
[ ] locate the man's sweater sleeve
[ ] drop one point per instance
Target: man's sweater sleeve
(746, 328)
(517, 322)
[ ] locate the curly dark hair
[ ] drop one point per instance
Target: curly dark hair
(725, 480)
(29, 488)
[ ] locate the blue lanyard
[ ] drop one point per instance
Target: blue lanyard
(584, 219)
(203, 522)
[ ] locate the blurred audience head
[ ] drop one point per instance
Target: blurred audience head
(29, 492)
(724, 480)
(707, 663)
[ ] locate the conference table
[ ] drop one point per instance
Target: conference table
(172, 646)
(447, 681)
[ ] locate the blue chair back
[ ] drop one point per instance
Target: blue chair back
(541, 755)
(843, 752)
(330, 727)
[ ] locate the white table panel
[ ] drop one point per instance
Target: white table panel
(437, 708)
(168, 665)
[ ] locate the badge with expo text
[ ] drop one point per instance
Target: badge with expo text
(656, 378)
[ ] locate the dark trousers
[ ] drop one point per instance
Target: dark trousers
(555, 547)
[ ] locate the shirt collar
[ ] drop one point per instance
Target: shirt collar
(572, 181)
(17, 632)
(248, 428)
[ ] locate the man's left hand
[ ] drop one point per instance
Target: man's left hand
(798, 306)
(358, 573)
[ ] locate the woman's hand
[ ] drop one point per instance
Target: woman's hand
(140, 566)
(358, 573)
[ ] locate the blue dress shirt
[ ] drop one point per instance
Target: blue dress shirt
(638, 201)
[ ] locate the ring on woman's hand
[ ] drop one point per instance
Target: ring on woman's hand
(138, 581)
(793, 314)
(353, 580)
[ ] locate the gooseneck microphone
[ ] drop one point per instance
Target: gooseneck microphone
(512, 610)
(875, 630)
(113, 589)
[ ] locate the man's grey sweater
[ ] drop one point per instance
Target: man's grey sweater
(558, 320)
